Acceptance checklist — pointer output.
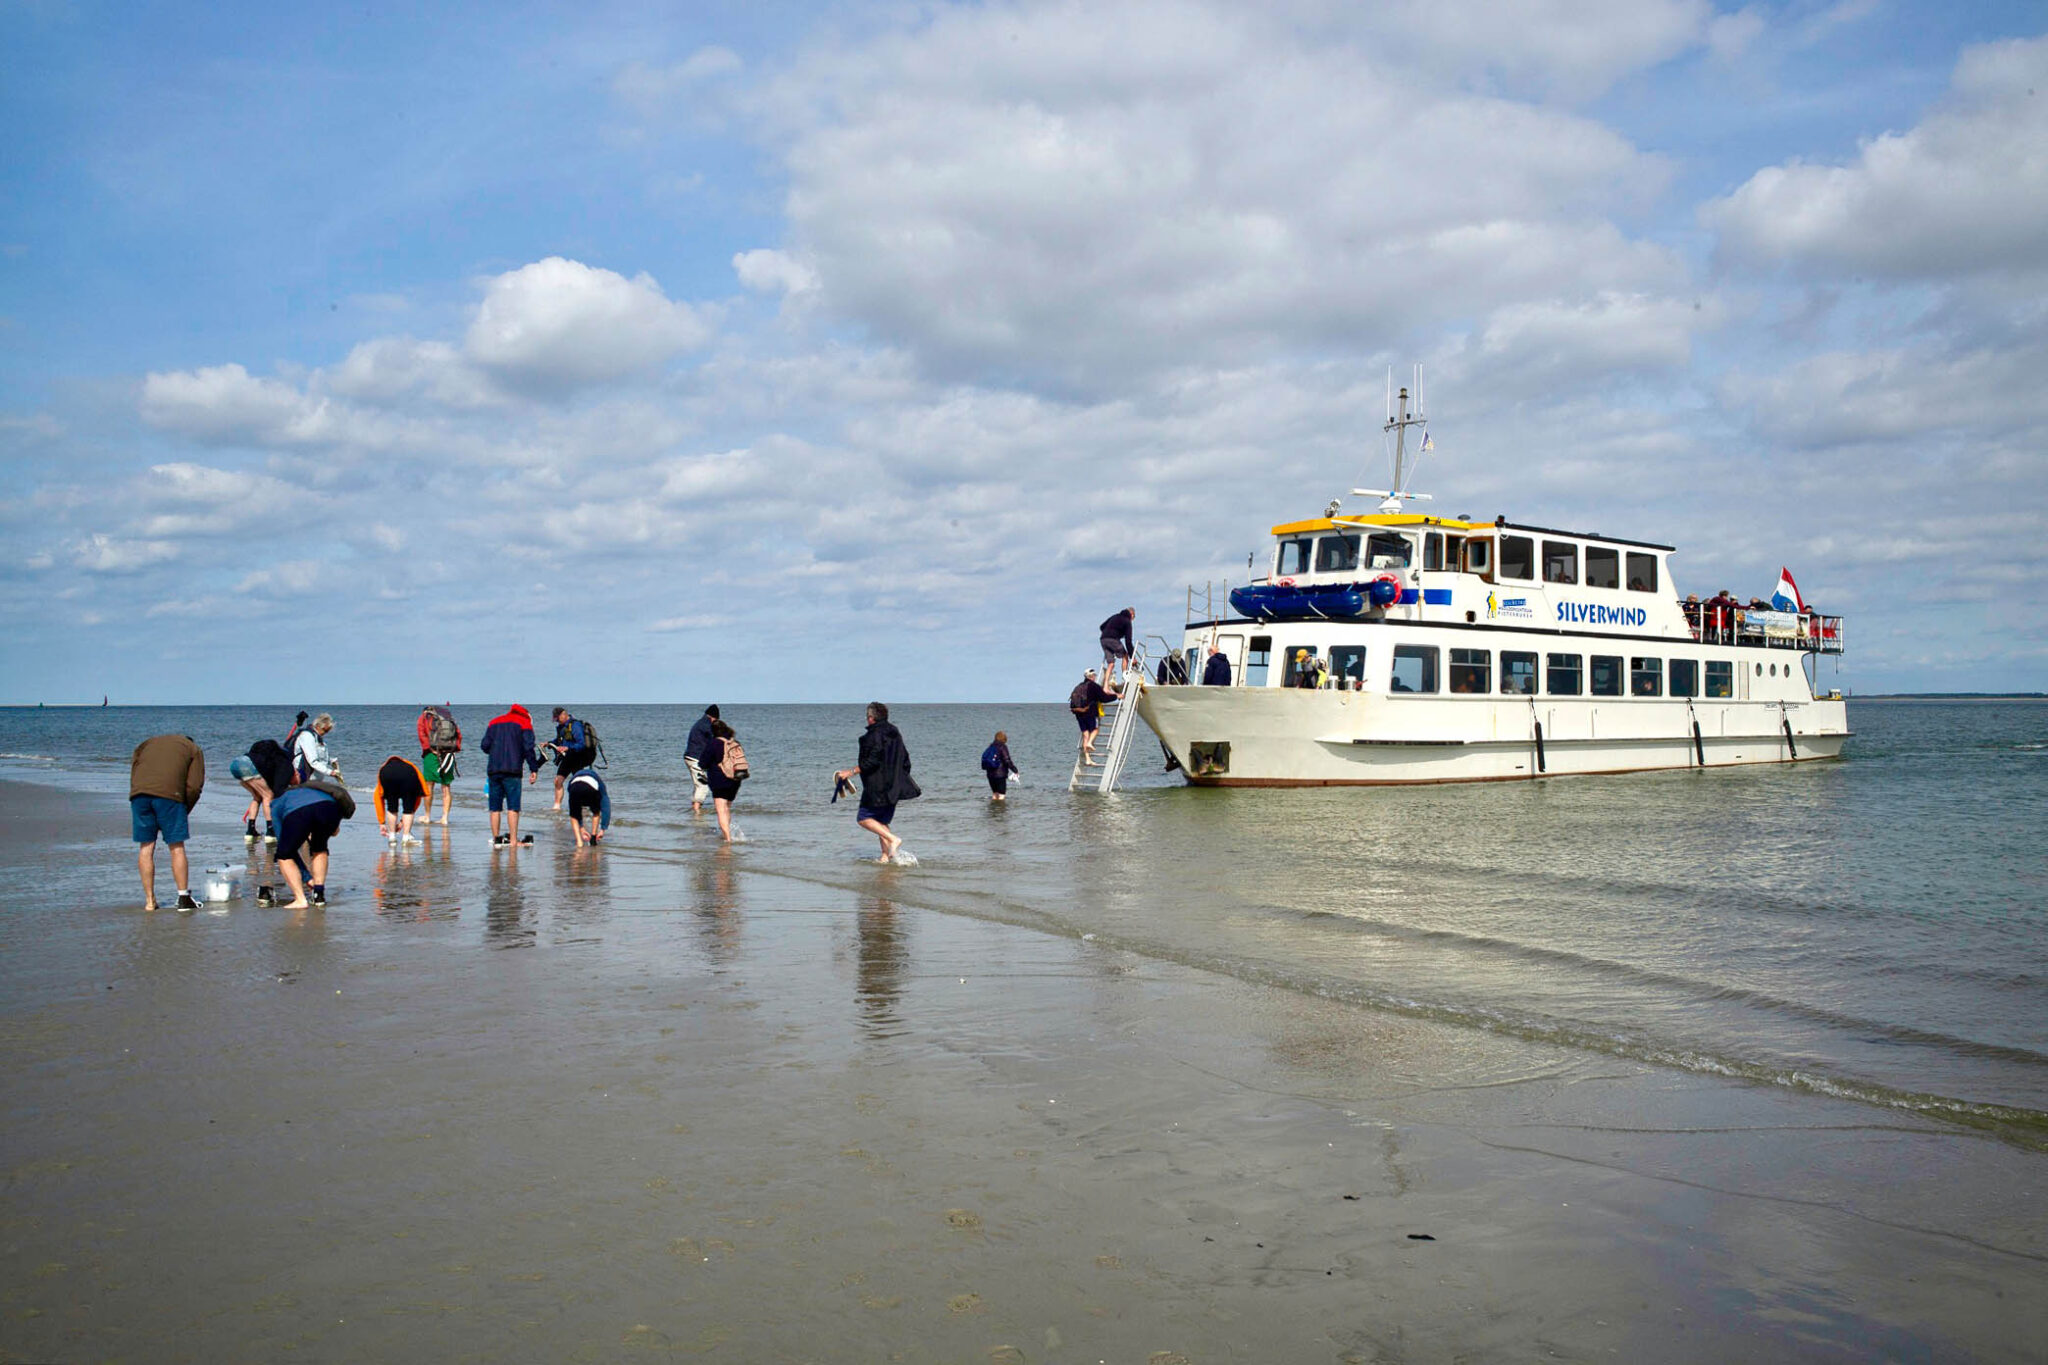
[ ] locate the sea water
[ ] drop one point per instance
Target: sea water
(1875, 927)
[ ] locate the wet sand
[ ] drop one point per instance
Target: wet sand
(551, 1105)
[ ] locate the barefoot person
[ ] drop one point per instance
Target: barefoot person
(440, 741)
(693, 758)
(884, 773)
(1085, 701)
(575, 749)
(725, 767)
(164, 779)
(590, 802)
(307, 817)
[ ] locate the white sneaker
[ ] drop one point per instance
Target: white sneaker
(407, 839)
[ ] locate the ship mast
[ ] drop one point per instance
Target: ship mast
(1399, 419)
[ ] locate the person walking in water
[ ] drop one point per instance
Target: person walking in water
(508, 747)
(997, 766)
(693, 758)
(575, 750)
(1086, 701)
(401, 788)
(725, 767)
(1117, 643)
(165, 776)
(884, 773)
(440, 741)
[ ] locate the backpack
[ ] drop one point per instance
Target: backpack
(444, 736)
(990, 760)
(733, 762)
(320, 782)
(1078, 701)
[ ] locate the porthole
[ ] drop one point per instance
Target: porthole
(1774, 670)
(1759, 670)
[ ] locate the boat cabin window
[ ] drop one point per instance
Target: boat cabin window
(1642, 572)
(1479, 558)
(1560, 562)
(1298, 669)
(1566, 673)
(1388, 551)
(1685, 677)
(1606, 675)
(1255, 662)
(1336, 554)
(1517, 673)
(1646, 677)
(1472, 671)
(1293, 557)
(1414, 669)
(1433, 550)
(1347, 666)
(1720, 678)
(1603, 567)
(1517, 557)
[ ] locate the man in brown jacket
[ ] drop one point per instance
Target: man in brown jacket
(164, 779)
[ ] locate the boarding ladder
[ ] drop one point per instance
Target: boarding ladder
(1101, 773)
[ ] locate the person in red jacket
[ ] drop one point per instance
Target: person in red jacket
(508, 747)
(440, 741)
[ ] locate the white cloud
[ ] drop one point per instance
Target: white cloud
(103, 554)
(1965, 192)
(649, 90)
(291, 578)
(1731, 35)
(699, 622)
(559, 324)
(224, 402)
(1574, 48)
(774, 272)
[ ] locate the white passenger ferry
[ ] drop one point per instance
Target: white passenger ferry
(1393, 647)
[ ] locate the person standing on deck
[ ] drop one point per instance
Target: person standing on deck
(1117, 643)
(164, 780)
(1216, 673)
(884, 772)
(693, 757)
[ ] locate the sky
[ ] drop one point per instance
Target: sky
(819, 352)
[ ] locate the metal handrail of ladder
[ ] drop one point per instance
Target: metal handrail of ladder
(1102, 775)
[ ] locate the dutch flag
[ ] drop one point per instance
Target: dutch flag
(1787, 597)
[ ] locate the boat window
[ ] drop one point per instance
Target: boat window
(1560, 562)
(1720, 678)
(1566, 673)
(1517, 557)
(1294, 557)
(1603, 567)
(1472, 671)
(1606, 675)
(1685, 677)
(1642, 572)
(1190, 664)
(1479, 558)
(1347, 666)
(1297, 665)
(1518, 673)
(1646, 677)
(1256, 661)
(1433, 550)
(1414, 669)
(1388, 551)
(1336, 554)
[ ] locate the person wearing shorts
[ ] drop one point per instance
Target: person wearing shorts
(306, 819)
(884, 773)
(508, 747)
(1116, 643)
(165, 776)
(401, 787)
(438, 764)
(589, 800)
(1085, 701)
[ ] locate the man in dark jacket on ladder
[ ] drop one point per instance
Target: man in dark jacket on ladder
(1117, 643)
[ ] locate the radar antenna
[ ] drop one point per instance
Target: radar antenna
(1400, 417)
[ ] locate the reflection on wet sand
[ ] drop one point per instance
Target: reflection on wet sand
(507, 924)
(879, 963)
(583, 876)
(717, 911)
(414, 884)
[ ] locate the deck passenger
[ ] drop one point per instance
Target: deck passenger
(1216, 673)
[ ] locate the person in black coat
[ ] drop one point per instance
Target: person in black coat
(884, 773)
(1216, 673)
(1117, 643)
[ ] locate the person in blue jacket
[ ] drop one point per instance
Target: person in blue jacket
(693, 758)
(574, 749)
(997, 765)
(508, 747)
(1216, 673)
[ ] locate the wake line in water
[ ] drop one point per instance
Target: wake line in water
(1707, 991)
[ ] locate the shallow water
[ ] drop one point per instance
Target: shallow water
(1872, 927)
